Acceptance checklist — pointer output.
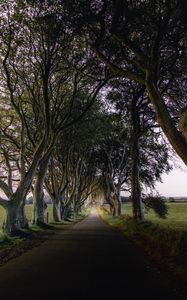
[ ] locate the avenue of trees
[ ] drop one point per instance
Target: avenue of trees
(92, 102)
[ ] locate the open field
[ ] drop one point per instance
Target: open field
(176, 218)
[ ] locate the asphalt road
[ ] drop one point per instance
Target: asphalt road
(87, 260)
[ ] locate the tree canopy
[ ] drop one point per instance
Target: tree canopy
(89, 91)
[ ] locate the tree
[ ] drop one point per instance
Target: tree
(148, 155)
(56, 183)
(144, 41)
(45, 92)
(71, 175)
(112, 159)
(157, 203)
(25, 100)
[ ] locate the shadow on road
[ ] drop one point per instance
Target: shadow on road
(87, 260)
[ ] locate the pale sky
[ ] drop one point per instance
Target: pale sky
(175, 183)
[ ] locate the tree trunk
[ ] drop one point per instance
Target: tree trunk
(11, 223)
(119, 202)
(77, 208)
(165, 121)
(56, 210)
(65, 209)
(22, 216)
(39, 205)
(77, 202)
(114, 210)
(56, 202)
(135, 182)
(64, 212)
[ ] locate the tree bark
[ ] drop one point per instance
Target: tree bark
(114, 209)
(134, 154)
(11, 223)
(66, 212)
(38, 193)
(119, 201)
(56, 210)
(22, 216)
(174, 136)
(135, 181)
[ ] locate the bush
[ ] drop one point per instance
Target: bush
(157, 204)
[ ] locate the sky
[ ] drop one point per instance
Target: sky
(175, 183)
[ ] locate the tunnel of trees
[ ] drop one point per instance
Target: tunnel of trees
(92, 102)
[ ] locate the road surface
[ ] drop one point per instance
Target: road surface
(87, 260)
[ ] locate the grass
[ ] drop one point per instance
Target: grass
(163, 237)
(48, 215)
(176, 218)
(165, 240)
(167, 235)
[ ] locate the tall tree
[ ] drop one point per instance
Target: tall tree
(143, 136)
(144, 41)
(42, 87)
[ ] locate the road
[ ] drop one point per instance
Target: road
(87, 260)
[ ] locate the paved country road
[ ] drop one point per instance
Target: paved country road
(87, 260)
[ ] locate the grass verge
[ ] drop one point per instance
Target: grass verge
(166, 247)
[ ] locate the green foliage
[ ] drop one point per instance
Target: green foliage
(157, 204)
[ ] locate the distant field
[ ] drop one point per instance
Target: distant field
(28, 213)
(176, 218)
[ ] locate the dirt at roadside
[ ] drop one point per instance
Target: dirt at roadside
(10, 250)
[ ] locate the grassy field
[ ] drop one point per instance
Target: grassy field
(176, 218)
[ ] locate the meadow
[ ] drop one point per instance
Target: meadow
(176, 217)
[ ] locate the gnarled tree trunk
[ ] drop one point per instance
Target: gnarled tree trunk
(119, 200)
(165, 121)
(135, 181)
(39, 204)
(11, 223)
(22, 216)
(56, 210)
